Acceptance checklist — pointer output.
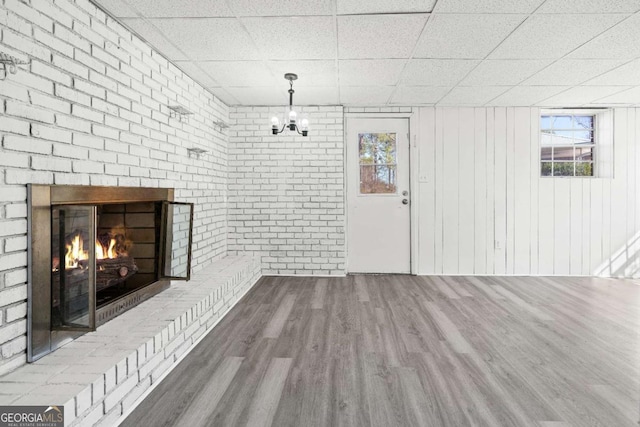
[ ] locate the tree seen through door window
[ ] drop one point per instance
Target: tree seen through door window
(378, 162)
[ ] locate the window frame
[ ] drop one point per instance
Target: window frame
(594, 145)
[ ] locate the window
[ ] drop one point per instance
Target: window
(567, 144)
(377, 163)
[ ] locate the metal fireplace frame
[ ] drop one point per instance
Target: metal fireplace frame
(41, 338)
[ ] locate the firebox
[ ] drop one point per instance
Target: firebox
(96, 252)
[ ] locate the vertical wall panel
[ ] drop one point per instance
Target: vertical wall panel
(427, 152)
(500, 190)
(577, 231)
(618, 212)
(562, 225)
(450, 190)
(490, 191)
(466, 189)
(596, 230)
(587, 231)
(521, 196)
(630, 245)
(534, 161)
(510, 192)
(439, 186)
(546, 221)
(480, 192)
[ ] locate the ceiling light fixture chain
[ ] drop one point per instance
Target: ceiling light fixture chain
(291, 117)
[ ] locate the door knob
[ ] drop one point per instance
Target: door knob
(405, 201)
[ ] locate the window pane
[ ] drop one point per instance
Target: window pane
(583, 137)
(375, 179)
(563, 169)
(545, 169)
(546, 154)
(377, 148)
(584, 154)
(545, 137)
(562, 153)
(562, 137)
(545, 122)
(584, 169)
(583, 122)
(561, 122)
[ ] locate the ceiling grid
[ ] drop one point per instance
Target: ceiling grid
(576, 53)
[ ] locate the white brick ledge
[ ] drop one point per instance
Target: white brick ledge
(101, 375)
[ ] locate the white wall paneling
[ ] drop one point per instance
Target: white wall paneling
(485, 209)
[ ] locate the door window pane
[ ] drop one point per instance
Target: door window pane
(378, 163)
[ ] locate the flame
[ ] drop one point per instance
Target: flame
(103, 252)
(76, 252)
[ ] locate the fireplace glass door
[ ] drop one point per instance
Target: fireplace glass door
(73, 275)
(177, 237)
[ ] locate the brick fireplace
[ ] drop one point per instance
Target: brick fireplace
(96, 252)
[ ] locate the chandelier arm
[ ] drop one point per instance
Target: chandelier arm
(281, 130)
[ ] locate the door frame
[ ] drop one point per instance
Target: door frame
(412, 120)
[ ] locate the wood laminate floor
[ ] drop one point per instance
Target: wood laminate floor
(413, 351)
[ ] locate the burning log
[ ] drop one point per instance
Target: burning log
(111, 271)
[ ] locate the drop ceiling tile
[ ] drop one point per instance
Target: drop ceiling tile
(118, 8)
(192, 70)
(503, 72)
(487, 6)
(310, 73)
(464, 36)
(223, 95)
(619, 42)
(437, 72)
(311, 37)
(625, 75)
(181, 8)
(418, 95)
(315, 96)
(627, 97)
(259, 95)
(580, 95)
(365, 95)
(571, 72)
(208, 38)
(378, 36)
(239, 73)
(589, 6)
(370, 72)
(155, 37)
(552, 36)
(384, 6)
(525, 96)
(281, 7)
(472, 95)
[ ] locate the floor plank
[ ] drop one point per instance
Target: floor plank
(395, 350)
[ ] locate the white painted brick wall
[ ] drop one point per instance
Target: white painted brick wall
(286, 193)
(91, 109)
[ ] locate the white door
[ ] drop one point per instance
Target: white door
(378, 221)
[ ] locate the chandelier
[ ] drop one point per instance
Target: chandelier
(291, 117)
